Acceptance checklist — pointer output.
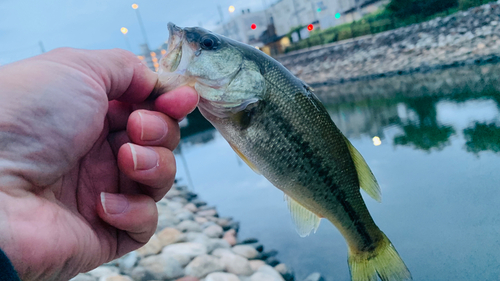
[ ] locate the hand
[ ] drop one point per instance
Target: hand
(81, 166)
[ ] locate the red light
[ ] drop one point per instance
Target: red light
(310, 27)
(253, 26)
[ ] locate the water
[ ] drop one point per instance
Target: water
(437, 166)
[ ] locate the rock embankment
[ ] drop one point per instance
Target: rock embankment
(193, 243)
(466, 37)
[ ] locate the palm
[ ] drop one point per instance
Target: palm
(64, 160)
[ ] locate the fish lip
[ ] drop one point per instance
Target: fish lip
(174, 30)
(171, 60)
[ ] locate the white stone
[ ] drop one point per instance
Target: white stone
(203, 265)
(191, 207)
(214, 231)
(246, 251)
(83, 277)
(175, 205)
(173, 193)
(104, 270)
(256, 264)
(222, 252)
(169, 236)
(215, 243)
(184, 252)
(116, 277)
(153, 247)
(127, 262)
(200, 220)
(269, 271)
(261, 276)
(183, 215)
(281, 268)
(189, 225)
(221, 276)
(162, 267)
(236, 264)
(207, 213)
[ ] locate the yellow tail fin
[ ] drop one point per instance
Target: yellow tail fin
(384, 261)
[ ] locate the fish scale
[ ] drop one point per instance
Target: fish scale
(276, 124)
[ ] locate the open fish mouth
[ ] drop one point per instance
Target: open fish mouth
(172, 58)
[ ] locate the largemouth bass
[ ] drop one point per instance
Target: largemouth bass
(275, 123)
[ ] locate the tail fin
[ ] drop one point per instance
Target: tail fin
(384, 261)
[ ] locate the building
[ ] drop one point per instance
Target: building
(288, 14)
(245, 27)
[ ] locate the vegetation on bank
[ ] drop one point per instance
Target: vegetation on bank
(397, 13)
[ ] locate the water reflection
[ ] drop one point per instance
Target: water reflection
(482, 137)
(426, 132)
(417, 119)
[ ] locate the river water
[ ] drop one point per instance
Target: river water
(437, 163)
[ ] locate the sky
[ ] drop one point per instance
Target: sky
(93, 24)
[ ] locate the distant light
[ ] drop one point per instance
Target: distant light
(153, 54)
(124, 30)
(253, 26)
(163, 52)
(135, 6)
(257, 47)
(310, 27)
(376, 141)
(140, 57)
(231, 9)
(337, 15)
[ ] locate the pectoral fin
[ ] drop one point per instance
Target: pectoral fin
(366, 178)
(305, 221)
(245, 159)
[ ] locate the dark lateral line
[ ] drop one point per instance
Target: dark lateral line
(322, 171)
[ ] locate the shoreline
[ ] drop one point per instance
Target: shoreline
(193, 243)
(465, 38)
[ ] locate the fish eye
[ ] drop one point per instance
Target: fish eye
(208, 42)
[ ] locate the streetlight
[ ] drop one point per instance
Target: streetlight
(136, 8)
(231, 9)
(124, 30)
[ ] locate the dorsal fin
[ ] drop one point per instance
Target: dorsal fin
(366, 178)
(245, 159)
(305, 221)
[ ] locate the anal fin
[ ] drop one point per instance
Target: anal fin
(305, 221)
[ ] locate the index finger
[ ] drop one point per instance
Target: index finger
(177, 103)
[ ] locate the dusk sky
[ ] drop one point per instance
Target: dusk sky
(92, 24)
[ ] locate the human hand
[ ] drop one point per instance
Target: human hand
(83, 158)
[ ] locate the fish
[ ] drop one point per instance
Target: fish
(278, 126)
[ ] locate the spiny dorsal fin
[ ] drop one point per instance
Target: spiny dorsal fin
(367, 180)
(245, 159)
(305, 221)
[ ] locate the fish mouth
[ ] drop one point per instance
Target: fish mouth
(170, 62)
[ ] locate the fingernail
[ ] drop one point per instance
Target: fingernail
(144, 158)
(156, 127)
(113, 203)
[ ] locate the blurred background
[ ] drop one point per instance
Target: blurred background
(413, 84)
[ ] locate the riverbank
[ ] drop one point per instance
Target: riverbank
(464, 38)
(193, 243)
